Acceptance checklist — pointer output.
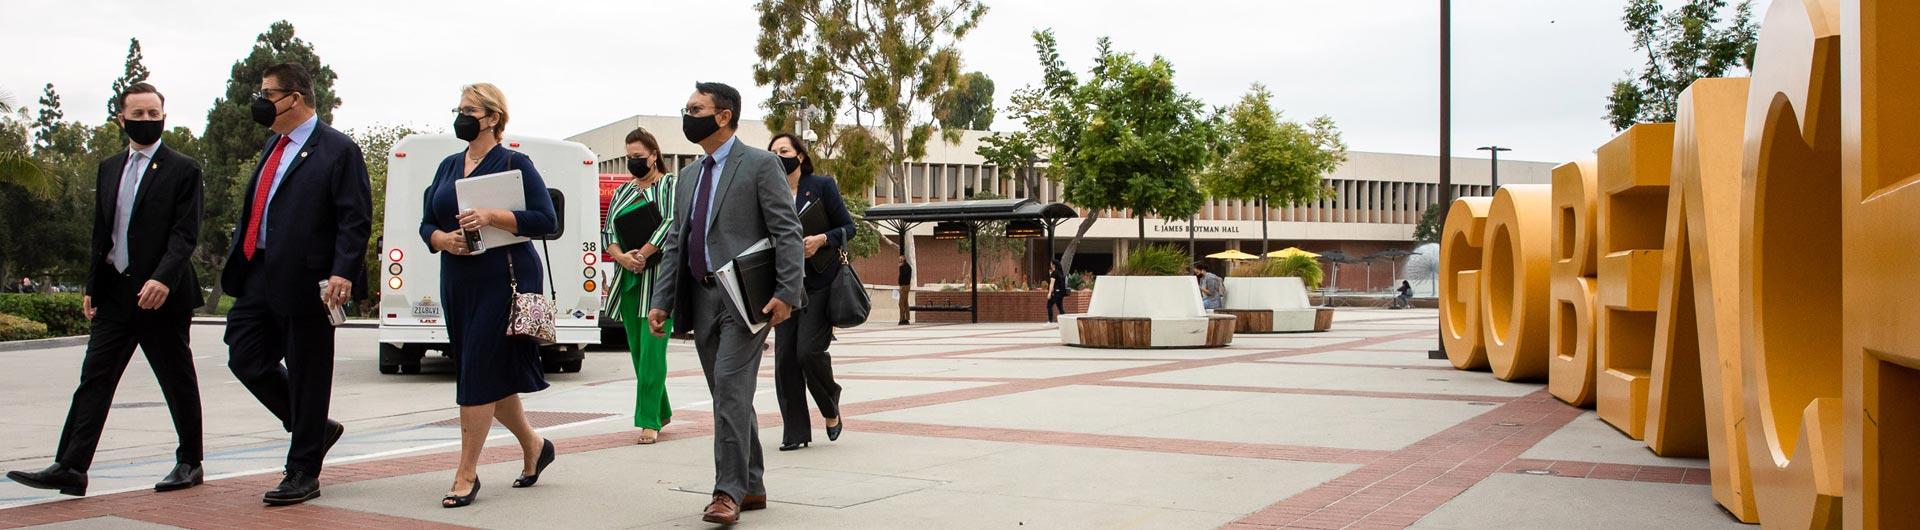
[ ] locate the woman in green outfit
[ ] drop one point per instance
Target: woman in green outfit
(632, 282)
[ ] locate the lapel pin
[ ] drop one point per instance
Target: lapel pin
(156, 165)
(303, 154)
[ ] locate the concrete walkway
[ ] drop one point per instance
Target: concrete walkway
(948, 426)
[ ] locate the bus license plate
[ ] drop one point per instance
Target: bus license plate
(426, 309)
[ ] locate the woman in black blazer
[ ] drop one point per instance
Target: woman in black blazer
(800, 359)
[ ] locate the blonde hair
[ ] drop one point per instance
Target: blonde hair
(491, 99)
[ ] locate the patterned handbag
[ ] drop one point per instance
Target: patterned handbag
(531, 315)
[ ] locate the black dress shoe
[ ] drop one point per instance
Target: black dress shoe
(540, 465)
(793, 446)
(334, 431)
(185, 475)
(458, 501)
(298, 487)
(54, 477)
(833, 432)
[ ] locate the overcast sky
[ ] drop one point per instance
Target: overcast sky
(1528, 74)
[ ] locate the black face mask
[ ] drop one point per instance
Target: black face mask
(698, 128)
(264, 111)
(144, 132)
(789, 163)
(466, 127)
(639, 167)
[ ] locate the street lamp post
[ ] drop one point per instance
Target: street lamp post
(1446, 130)
(1495, 150)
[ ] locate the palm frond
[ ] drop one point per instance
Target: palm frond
(21, 170)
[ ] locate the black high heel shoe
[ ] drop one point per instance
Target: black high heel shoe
(833, 432)
(456, 501)
(546, 457)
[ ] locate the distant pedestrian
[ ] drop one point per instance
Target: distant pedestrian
(1405, 298)
(1057, 294)
(1213, 291)
(906, 287)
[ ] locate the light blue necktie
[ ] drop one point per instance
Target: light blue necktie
(123, 209)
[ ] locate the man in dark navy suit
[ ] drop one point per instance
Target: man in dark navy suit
(304, 222)
(140, 291)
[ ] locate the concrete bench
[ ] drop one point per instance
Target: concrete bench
(1146, 312)
(1273, 305)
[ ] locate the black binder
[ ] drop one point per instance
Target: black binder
(634, 229)
(754, 271)
(813, 221)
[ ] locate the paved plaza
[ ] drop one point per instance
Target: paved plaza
(948, 426)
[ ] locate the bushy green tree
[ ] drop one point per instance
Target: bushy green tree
(135, 71)
(1682, 45)
(18, 168)
(1271, 160)
(1144, 140)
(877, 63)
(1055, 114)
(969, 106)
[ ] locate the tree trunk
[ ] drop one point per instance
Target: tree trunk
(900, 175)
(1033, 183)
(1263, 227)
(213, 299)
(1142, 219)
(1066, 257)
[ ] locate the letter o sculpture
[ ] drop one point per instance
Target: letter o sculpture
(1515, 280)
(1460, 256)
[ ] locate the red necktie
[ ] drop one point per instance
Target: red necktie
(260, 195)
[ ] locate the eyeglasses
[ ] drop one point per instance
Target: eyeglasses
(471, 111)
(267, 93)
(696, 111)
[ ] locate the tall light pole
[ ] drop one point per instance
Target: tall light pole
(1446, 132)
(1496, 150)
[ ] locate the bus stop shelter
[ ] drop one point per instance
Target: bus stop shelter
(1025, 218)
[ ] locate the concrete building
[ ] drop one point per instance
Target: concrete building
(1378, 197)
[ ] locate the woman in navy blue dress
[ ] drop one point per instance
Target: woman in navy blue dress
(492, 369)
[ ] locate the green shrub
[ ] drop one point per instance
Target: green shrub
(1155, 260)
(1299, 266)
(16, 328)
(61, 312)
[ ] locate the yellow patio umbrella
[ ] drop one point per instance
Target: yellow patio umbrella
(1289, 251)
(1234, 254)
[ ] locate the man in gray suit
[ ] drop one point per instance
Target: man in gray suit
(739, 196)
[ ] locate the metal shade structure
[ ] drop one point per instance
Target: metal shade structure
(901, 218)
(1393, 257)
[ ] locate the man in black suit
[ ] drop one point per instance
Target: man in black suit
(304, 222)
(141, 291)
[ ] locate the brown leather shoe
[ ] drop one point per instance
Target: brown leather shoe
(754, 502)
(723, 510)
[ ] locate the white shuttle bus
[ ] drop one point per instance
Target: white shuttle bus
(411, 317)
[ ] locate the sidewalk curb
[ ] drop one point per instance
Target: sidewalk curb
(35, 344)
(367, 323)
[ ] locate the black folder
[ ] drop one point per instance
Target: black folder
(813, 221)
(754, 271)
(634, 229)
